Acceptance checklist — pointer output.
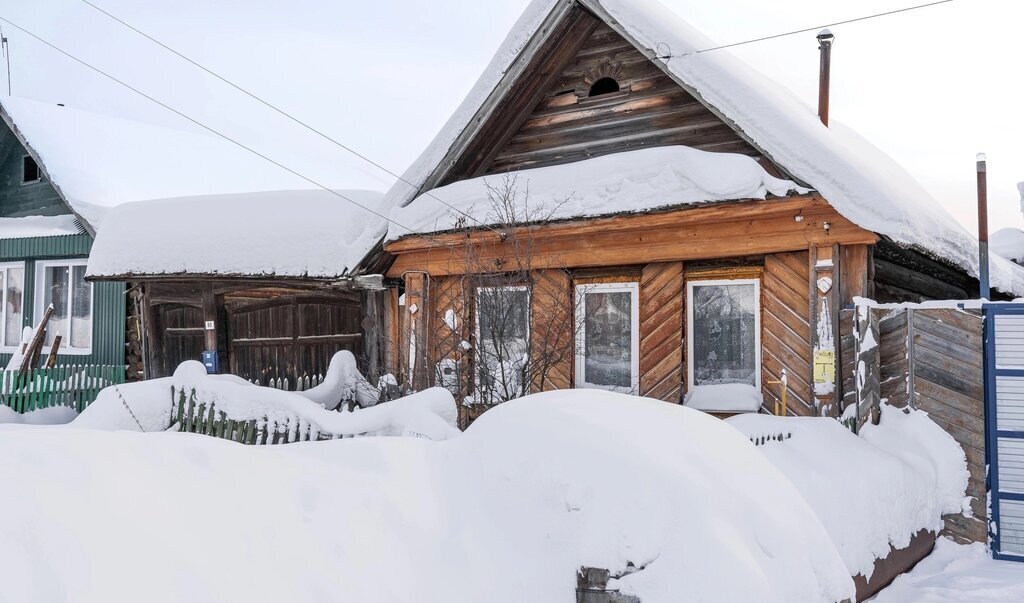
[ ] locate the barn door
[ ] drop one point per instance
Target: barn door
(1004, 415)
(183, 334)
(287, 339)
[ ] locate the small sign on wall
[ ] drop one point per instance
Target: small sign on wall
(209, 325)
(824, 366)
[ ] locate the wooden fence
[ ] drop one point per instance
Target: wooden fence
(204, 418)
(75, 386)
(930, 359)
(284, 384)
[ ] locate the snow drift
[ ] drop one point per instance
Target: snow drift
(509, 511)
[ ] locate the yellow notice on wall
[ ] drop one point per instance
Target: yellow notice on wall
(824, 366)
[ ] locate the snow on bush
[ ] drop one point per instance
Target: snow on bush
(871, 492)
(147, 406)
(343, 382)
(535, 489)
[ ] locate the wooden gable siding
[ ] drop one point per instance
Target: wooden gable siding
(662, 331)
(786, 330)
(649, 110)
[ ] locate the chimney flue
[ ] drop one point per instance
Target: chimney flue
(825, 38)
(983, 268)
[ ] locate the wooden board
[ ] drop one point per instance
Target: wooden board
(662, 331)
(785, 326)
(552, 323)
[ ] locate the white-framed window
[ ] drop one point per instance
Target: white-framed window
(62, 283)
(723, 332)
(12, 282)
(502, 342)
(608, 336)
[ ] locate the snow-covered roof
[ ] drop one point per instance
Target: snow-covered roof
(1009, 243)
(39, 226)
(282, 233)
(610, 184)
(857, 179)
(97, 161)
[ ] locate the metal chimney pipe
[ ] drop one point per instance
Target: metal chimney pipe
(983, 286)
(825, 38)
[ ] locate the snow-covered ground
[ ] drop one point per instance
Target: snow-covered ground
(956, 573)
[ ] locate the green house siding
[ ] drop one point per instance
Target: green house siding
(23, 199)
(108, 310)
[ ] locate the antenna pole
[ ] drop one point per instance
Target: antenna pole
(7, 56)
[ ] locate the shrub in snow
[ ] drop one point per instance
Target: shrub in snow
(873, 491)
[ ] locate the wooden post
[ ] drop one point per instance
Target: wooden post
(210, 325)
(373, 334)
(392, 331)
(868, 363)
(51, 360)
(417, 329)
(31, 354)
(824, 297)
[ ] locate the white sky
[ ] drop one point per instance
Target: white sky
(931, 87)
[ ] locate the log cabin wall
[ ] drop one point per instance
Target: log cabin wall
(904, 275)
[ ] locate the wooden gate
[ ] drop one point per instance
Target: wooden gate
(290, 337)
(183, 335)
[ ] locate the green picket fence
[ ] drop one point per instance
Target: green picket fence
(191, 416)
(75, 386)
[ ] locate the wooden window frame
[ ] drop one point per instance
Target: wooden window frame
(704, 282)
(40, 289)
(581, 290)
(476, 328)
(5, 267)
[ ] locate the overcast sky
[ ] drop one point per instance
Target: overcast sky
(931, 87)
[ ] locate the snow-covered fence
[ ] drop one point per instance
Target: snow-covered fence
(204, 418)
(927, 356)
(284, 384)
(74, 386)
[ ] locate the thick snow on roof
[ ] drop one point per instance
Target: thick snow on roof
(859, 180)
(624, 182)
(282, 233)
(38, 226)
(99, 161)
(1009, 243)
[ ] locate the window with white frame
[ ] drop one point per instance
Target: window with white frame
(503, 342)
(724, 332)
(12, 282)
(62, 283)
(608, 336)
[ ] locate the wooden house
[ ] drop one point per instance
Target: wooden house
(45, 242)
(261, 278)
(669, 181)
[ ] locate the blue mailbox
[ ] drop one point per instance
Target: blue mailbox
(210, 361)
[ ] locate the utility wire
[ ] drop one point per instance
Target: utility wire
(218, 133)
(805, 30)
(278, 110)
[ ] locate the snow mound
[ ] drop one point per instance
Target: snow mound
(1009, 243)
(724, 397)
(508, 512)
(628, 182)
(871, 492)
(54, 415)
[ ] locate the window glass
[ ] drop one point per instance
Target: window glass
(66, 288)
(81, 309)
(724, 345)
(503, 319)
(55, 280)
(608, 336)
(14, 304)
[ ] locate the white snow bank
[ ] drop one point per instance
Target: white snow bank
(858, 179)
(1009, 243)
(53, 415)
(960, 573)
(430, 414)
(632, 181)
(342, 382)
(871, 492)
(533, 490)
(724, 397)
(281, 233)
(38, 226)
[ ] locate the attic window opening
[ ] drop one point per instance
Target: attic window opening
(605, 85)
(29, 170)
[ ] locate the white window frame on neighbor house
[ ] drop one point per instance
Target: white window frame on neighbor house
(40, 309)
(5, 268)
(690, 284)
(476, 327)
(633, 288)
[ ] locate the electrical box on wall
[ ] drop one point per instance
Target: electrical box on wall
(210, 361)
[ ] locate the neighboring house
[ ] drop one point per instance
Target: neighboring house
(263, 278)
(704, 225)
(44, 248)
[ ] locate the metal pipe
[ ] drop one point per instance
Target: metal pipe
(825, 38)
(983, 265)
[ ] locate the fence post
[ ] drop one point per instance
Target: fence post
(868, 364)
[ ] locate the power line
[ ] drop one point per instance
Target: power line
(278, 110)
(669, 55)
(218, 133)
